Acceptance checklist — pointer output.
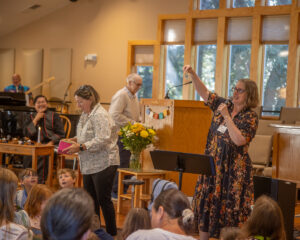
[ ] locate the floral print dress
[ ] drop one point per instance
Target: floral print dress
(225, 199)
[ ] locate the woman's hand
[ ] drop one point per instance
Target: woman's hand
(188, 69)
(223, 110)
(74, 148)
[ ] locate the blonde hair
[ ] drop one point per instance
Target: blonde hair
(251, 91)
(266, 220)
(137, 218)
(37, 195)
(8, 187)
(66, 170)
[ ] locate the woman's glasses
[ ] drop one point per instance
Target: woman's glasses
(238, 90)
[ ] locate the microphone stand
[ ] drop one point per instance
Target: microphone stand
(65, 95)
(180, 85)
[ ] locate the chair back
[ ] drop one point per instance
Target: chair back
(67, 125)
(260, 149)
(289, 115)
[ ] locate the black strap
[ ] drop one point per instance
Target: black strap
(158, 180)
(163, 187)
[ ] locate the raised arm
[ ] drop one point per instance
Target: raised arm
(199, 85)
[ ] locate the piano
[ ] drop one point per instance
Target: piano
(14, 112)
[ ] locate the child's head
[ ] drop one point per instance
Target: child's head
(37, 199)
(137, 218)
(66, 177)
(28, 177)
(266, 220)
(8, 186)
(67, 215)
(230, 233)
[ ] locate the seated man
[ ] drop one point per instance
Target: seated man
(51, 131)
(16, 85)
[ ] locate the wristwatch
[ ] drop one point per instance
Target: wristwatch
(81, 147)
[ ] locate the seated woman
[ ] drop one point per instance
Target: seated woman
(35, 204)
(172, 218)
(68, 215)
(9, 229)
(51, 131)
(265, 222)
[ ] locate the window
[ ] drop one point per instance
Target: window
(239, 37)
(278, 2)
(274, 78)
(206, 4)
(173, 70)
(143, 65)
(205, 37)
(239, 64)
(206, 66)
(243, 3)
(146, 72)
(174, 37)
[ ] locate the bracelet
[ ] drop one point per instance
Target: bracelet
(81, 147)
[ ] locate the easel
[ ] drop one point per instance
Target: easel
(183, 162)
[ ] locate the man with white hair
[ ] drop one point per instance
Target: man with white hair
(124, 108)
(16, 85)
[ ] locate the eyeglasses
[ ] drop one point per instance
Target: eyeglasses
(238, 90)
(138, 84)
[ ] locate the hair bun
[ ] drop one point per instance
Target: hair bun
(187, 216)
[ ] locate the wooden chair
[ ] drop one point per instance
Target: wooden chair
(260, 152)
(67, 125)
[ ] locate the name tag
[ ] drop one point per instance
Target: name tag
(222, 128)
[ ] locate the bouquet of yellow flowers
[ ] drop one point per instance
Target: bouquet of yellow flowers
(135, 138)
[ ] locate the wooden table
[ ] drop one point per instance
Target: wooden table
(141, 192)
(32, 150)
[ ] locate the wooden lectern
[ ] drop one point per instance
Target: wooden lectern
(183, 129)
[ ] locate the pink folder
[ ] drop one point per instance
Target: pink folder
(62, 146)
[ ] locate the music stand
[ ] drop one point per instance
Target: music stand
(183, 162)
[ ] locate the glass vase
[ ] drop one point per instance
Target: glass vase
(135, 160)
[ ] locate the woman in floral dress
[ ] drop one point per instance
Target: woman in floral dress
(225, 199)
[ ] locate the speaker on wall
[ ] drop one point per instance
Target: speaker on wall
(284, 193)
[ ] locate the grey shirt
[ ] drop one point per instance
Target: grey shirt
(124, 107)
(98, 132)
(157, 233)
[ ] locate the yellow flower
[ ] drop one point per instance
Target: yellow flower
(144, 134)
(151, 131)
(119, 133)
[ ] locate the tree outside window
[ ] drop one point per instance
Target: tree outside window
(206, 66)
(239, 64)
(146, 72)
(278, 2)
(173, 70)
(208, 4)
(243, 3)
(275, 73)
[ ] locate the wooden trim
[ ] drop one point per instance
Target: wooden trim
(142, 42)
(191, 6)
(187, 54)
(275, 155)
(291, 81)
(173, 43)
(220, 57)
(156, 71)
(130, 58)
(255, 65)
